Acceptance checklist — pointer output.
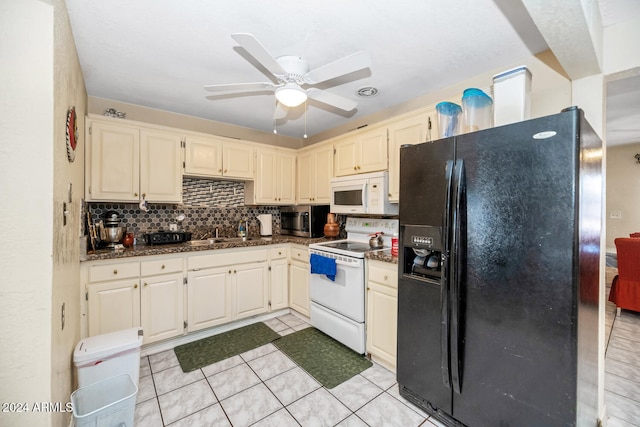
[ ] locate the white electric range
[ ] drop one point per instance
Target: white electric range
(338, 307)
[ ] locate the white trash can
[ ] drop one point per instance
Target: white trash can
(107, 403)
(107, 355)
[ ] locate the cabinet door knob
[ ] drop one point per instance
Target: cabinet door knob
(234, 271)
(355, 168)
(146, 284)
(135, 286)
(135, 194)
(386, 278)
(162, 268)
(279, 253)
(115, 272)
(144, 195)
(229, 271)
(220, 170)
(225, 171)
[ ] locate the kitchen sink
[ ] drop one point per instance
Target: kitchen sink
(239, 239)
(205, 242)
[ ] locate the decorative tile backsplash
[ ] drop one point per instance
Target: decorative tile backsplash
(207, 205)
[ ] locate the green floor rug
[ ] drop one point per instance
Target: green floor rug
(206, 351)
(324, 358)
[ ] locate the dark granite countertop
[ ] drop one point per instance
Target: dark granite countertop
(145, 250)
(384, 256)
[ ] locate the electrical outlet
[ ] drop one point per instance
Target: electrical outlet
(616, 215)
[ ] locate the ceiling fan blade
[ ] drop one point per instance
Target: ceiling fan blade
(240, 87)
(354, 62)
(255, 49)
(332, 99)
(280, 111)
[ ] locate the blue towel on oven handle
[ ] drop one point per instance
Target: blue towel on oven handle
(323, 265)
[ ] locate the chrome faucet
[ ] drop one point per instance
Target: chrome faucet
(206, 235)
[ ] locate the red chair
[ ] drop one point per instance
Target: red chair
(625, 288)
(634, 235)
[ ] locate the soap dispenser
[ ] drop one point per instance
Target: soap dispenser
(242, 229)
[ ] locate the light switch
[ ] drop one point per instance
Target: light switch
(616, 215)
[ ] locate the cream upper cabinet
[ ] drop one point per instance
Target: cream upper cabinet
(237, 160)
(113, 157)
(413, 130)
(160, 166)
(382, 312)
(315, 170)
(361, 153)
(127, 163)
(274, 183)
(203, 157)
(212, 157)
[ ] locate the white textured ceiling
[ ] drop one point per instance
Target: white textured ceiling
(160, 53)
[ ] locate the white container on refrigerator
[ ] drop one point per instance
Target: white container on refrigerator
(511, 96)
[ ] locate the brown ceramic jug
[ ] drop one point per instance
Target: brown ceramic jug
(331, 228)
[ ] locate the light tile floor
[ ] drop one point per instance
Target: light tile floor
(622, 366)
(263, 387)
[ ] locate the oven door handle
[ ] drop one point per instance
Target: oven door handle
(348, 264)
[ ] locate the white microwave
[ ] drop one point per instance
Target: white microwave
(367, 193)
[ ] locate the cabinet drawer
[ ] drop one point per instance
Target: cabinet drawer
(163, 266)
(100, 273)
(227, 258)
(301, 255)
(383, 275)
(277, 253)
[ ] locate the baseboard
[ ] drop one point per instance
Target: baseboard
(169, 344)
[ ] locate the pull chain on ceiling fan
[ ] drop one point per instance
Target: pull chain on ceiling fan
(291, 73)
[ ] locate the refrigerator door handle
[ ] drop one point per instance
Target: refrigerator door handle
(456, 260)
(445, 281)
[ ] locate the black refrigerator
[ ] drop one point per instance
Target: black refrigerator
(498, 274)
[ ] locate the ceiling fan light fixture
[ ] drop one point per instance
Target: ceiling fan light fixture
(291, 95)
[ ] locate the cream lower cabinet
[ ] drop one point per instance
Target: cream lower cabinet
(162, 299)
(251, 285)
(208, 298)
(278, 279)
(113, 305)
(126, 295)
(382, 312)
(225, 286)
(299, 280)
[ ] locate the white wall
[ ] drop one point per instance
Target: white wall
(26, 175)
(623, 192)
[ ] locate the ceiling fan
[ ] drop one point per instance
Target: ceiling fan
(294, 79)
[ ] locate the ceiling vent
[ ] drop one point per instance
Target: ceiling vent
(367, 92)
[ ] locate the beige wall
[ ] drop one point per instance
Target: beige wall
(69, 91)
(41, 80)
(26, 176)
(623, 192)
(179, 121)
